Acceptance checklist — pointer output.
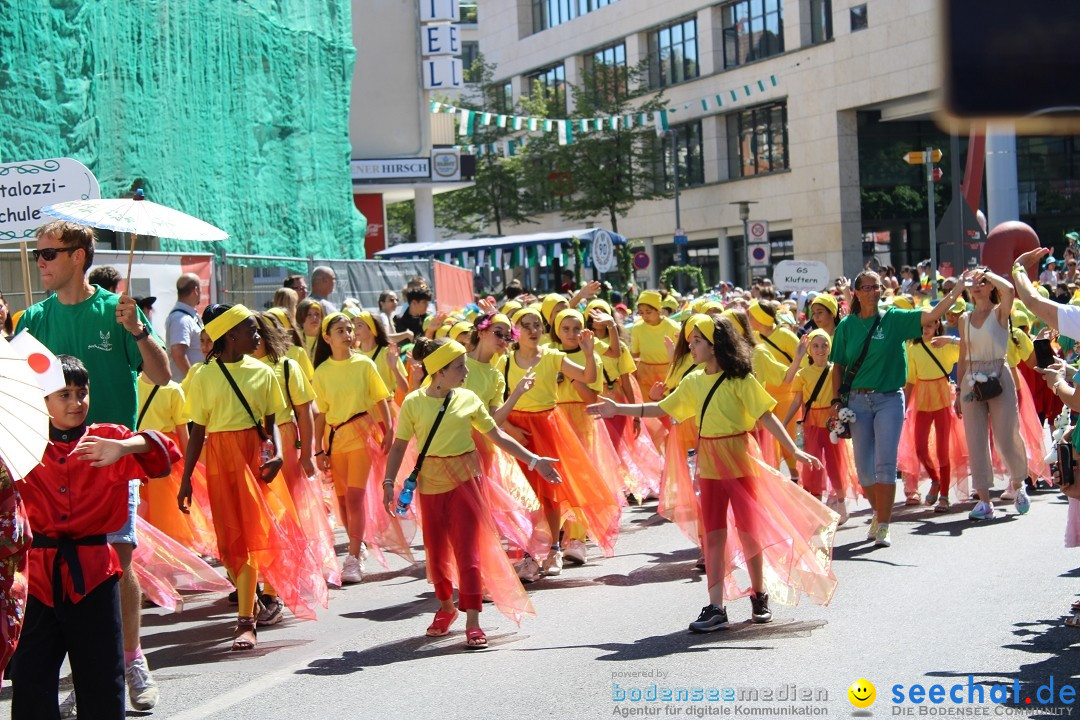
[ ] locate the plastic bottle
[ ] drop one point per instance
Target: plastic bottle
(691, 462)
(800, 441)
(268, 451)
(405, 496)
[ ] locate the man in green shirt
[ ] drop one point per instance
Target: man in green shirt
(112, 337)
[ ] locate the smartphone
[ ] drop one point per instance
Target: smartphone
(1065, 464)
(1044, 353)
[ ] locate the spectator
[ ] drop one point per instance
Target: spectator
(568, 285)
(183, 326)
(105, 277)
(1048, 278)
(287, 299)
(412, 320)
(5, 318)
(323, 281)
(513, 289)
(146, 304)
(298, 284)
(388, 302)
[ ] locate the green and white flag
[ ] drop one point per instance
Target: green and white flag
(466, 118)
(660, 120)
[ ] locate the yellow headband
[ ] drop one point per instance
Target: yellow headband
(567, 313)
(444, 329)
(525, 312)
(650, 298)
(712, 306)
(698, 306)
(331, 318)
(828, 302)
(443, 356)
(365, 317)
(598, 304)
(730, 315)
(226, 321)
(459, 328)
(959, 306)
(703, 324)
(758, 313)
(903, 303)
(820, 333)
(510, 308)
(670, 303)
(550, 301)
(281, 315)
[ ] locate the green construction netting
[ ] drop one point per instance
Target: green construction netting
(236, 112)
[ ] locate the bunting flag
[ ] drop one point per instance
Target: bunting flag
(660, 120)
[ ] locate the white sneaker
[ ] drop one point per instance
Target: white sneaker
(881, 537)
(353, 571)
(142, 690)
(553, 563)
(839, 507)
(68, 708)
(575, 553)
(871, 532)
(527, 570)
(1009, 494)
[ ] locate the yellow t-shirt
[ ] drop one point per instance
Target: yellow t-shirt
(565, 392)
(807, 379)
(735, 406)
(921, 367)
(766, 368)
(347, 387)
(166, 410)
(647, 341)
(454, 437)
(614, 368)
(382, 363)
(486, 381)
(1020, 350)
(185, 384)
(309, 344)
(211, 401)
(542, 396)
(678, 371)
(299, 392)
(301, 357)
(785, 341)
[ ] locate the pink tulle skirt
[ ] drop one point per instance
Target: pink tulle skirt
(310, 506)
(907, 458)
(515, 509)
(1072, 524)
(678, 502)
(597, 443)
(163, 566)
(1031, 430)
(765, 515)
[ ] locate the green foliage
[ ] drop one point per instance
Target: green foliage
(692, 271)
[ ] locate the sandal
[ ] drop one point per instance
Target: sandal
(1076, 606)
(1073, 620)
(441, 624)
(913, 499)
(932, 495)
(245, 636)
(475, 639)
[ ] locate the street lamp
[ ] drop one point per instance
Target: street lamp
(744, 215)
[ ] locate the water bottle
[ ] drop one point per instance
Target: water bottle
(268, 451)
(800, 442)
(406, 495)
(691, 462)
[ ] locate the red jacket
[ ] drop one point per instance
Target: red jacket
(68, 499)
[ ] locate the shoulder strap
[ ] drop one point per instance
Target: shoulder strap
(431, 434)
(506, 375)
(708, 399)
(243, 400)
(146, 405)
(288, 393)
(854, 369)
(378, 349)
(777, 347)
(934, 358)
(817, 388)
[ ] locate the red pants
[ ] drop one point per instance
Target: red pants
(451, 525)
(819, 445)
(941, 471)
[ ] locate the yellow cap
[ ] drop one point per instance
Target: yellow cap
(365, 317)
(703, 324)
(226, 321)
(711, 307)
(597, 304)
(960, 306)
(459, 328)
(670, 303)
(903, 303)
(827, 301)
(548, 306)
(281, 315)
(443, 356)
(650, 298)
(510, 307)
(820, 333)
(564, 314)
(525, 312)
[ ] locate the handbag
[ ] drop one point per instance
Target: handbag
(988, 389)
(849, 375)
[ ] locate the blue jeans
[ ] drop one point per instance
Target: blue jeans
(875, 435)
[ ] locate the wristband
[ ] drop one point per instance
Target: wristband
(533, 462)
(319, 453)
(388, 481)
(144, 334)
(836, 401)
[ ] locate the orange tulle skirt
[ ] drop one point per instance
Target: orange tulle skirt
(642, 462)
(928, 396)
(597, 443)
(307, 499)
(163, 567)
(838, 477)
(462, 543)
(784, 397)
(194, 530)
(14, 545)
(255, 527)
(583, 495)
(765, 515)
(515, 509)
(678, 502)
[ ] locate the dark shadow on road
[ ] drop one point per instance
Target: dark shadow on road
(956, 526)
(207, 643)
(406, 650)
(424, 604)
(860, 551)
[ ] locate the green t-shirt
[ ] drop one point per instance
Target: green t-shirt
(885, 366)
(89, 331)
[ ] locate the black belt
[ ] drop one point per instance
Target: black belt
(67, 552)
(334, 429)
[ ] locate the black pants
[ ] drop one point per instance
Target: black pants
(89, 633)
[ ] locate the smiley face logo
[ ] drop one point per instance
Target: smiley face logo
(862, 693)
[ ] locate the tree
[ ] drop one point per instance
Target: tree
(495, 196)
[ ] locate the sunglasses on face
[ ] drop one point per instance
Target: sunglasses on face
(870, 287)
(50, 254)
(505, 337)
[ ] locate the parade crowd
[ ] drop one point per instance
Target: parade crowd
(510, 434)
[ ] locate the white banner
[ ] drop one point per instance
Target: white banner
(26, 187)
(801, 276)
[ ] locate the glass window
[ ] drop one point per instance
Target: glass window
(469, 52)
(690, 155)
(504, 98)
(550, 13)
(609, 69)
(859, 19)
(552, 82)
(673, 53)
(757, 140)
(752, 29)
(820, 21)
(468, 12)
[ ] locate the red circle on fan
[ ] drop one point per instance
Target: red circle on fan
(38, 363)
(1005, 243)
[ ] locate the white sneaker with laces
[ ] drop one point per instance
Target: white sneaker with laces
(353, 570)
(553, 563)
(142, 690)
(1009, 494)
(575, 552)
(527, 570)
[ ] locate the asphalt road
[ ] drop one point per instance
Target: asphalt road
(950, 599)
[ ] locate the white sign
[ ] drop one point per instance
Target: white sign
(446, 165)
(438, 10)
(759, 231)
(441, 39)
(443, 73)
(603, 251)
(801, 276)
(26, 187)
(390, 169)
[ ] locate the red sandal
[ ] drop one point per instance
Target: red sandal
(441, 624)
(475, 639)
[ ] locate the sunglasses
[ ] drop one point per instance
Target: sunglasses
(50, 254)
(505, 337)
(869, 287)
